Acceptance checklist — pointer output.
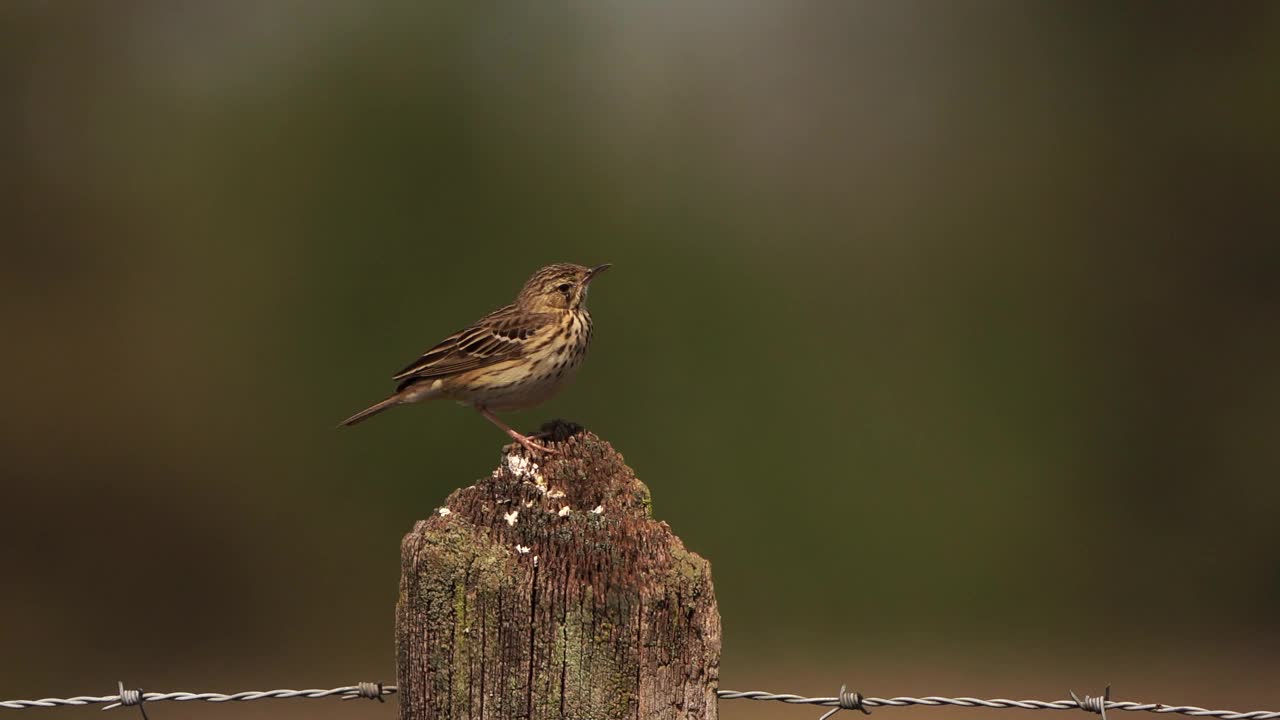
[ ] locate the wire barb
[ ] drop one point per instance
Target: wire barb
(1095, 705)
(129, 698)
(368, 691)
(847, 701)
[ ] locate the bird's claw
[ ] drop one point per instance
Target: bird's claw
(534, 447)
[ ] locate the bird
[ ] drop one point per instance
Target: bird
(516, 357)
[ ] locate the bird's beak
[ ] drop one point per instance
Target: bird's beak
(593, 272)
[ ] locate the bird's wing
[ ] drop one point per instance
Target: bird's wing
(500, 335)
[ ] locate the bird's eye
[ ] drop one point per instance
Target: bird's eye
(565, 288)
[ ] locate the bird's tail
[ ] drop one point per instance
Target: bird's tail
(374, 409)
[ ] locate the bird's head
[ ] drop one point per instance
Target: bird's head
(558, 287)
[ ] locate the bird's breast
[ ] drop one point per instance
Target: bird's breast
(550, 360)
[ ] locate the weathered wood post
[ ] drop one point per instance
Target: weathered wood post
(548, 591)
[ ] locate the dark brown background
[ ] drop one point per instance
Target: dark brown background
(946, 331)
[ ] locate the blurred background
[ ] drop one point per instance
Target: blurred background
(948, 332)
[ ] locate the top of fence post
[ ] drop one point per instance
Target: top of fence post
(547, 590)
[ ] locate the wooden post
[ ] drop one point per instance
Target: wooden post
(548, 591)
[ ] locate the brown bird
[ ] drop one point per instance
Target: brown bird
(514, 357)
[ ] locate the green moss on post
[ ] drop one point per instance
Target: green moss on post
(548, 591)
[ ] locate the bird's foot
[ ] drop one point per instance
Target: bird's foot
(530, 445)
(514, 434)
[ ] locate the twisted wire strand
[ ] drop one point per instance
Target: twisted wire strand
(1001, 703)
(362, 690)
(367, 690)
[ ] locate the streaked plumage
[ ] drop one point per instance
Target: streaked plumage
(515, 357)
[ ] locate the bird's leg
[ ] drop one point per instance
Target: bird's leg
(524, 440)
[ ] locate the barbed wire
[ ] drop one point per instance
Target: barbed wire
(844, 701)
(372, 691)
(855, 701)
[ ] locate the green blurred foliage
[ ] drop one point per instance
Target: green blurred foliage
(928, 321)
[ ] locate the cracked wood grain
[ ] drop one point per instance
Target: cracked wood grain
(580, 606)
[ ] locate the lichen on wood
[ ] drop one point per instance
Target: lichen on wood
(547, 590)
